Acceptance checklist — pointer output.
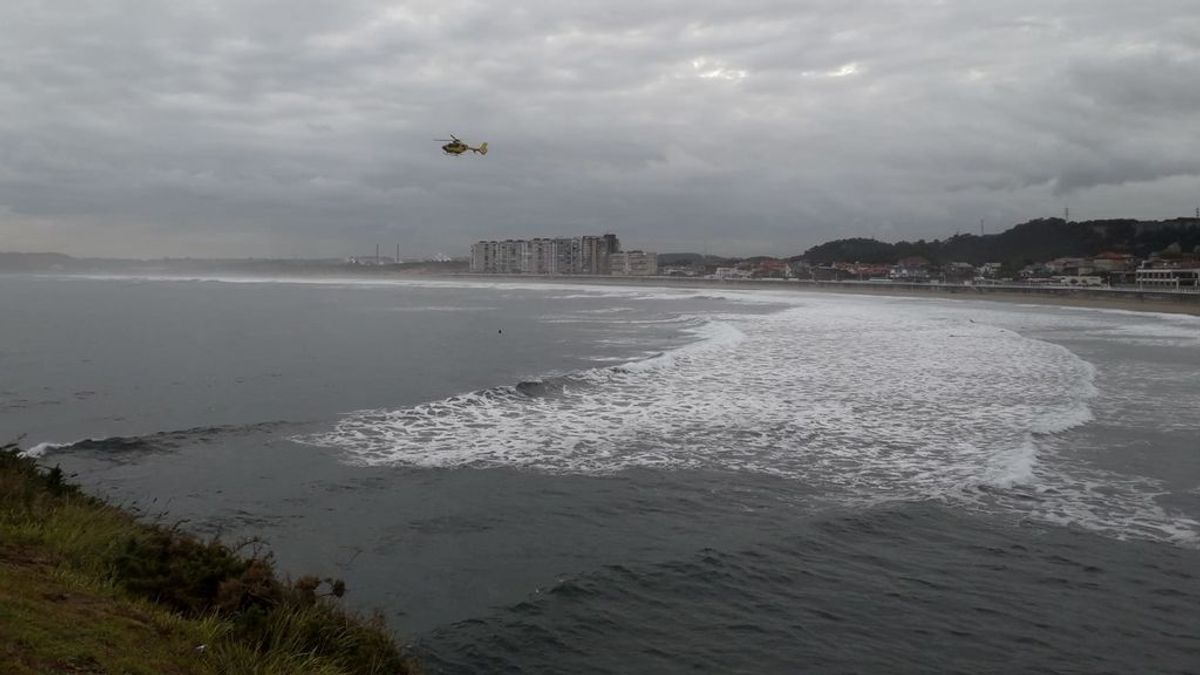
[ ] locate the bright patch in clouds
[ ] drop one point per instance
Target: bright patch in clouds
(715, 70)
(846, 70)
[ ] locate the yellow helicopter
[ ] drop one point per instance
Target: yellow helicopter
(456, 147)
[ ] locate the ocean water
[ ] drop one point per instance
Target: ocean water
(531, 477)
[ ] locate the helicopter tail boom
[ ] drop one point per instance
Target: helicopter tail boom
(482, 149)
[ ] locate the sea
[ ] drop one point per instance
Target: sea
(528, 477)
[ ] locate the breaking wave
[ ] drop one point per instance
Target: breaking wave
(882, 403)
(868, 402)
(113, 446)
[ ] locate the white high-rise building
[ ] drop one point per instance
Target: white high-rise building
(593, 255)
(633, 263)
(510, 258)
(541, 257)
(483, 256)
(558, 255)
(566, 255)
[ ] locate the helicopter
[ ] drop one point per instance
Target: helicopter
(456, 147)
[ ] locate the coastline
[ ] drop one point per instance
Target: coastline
(90, 586)
(1133, 300)
(1089, 298)
(510, 523)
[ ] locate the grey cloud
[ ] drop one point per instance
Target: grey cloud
(1151, 83)
(229, 128)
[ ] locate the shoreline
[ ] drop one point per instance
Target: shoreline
(90, 586)
(1087, 298)
(1133, 300)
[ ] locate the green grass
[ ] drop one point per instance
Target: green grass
(52, 623)
(87, 588)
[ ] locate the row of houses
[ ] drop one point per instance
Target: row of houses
(1105, 269)
(1120, 269)
(913, 269)
(1106, 264)
(593, 255)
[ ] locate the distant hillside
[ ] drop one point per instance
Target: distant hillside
(29, 262)
(690, 260)
(1034, 241)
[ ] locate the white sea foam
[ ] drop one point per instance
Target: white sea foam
(1071, 493)
(1157, 333)
(576, 289)
(608, 310)
(441, 308)
(609, 321)
(869, 398)
(41, 449)
(873, 398)
(631, 293)
(861, 398)
(1015, 466)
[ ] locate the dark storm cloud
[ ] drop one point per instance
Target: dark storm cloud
(281, 128)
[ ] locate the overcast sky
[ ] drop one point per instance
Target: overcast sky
(299, 127)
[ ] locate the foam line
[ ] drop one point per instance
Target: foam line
(863, 400)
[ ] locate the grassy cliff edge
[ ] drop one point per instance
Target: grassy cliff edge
(85, 587)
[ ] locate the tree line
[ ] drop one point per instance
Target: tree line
(1030, 242)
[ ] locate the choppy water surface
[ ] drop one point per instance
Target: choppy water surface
(563, 478)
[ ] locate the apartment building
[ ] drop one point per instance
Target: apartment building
(542, 255)
(633, 263)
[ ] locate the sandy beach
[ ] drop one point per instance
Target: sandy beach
(1100, 298)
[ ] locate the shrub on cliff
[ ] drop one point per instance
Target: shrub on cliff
(263, 623)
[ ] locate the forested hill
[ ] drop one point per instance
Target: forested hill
(1034, 241)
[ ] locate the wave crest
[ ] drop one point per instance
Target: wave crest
(859, 399)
